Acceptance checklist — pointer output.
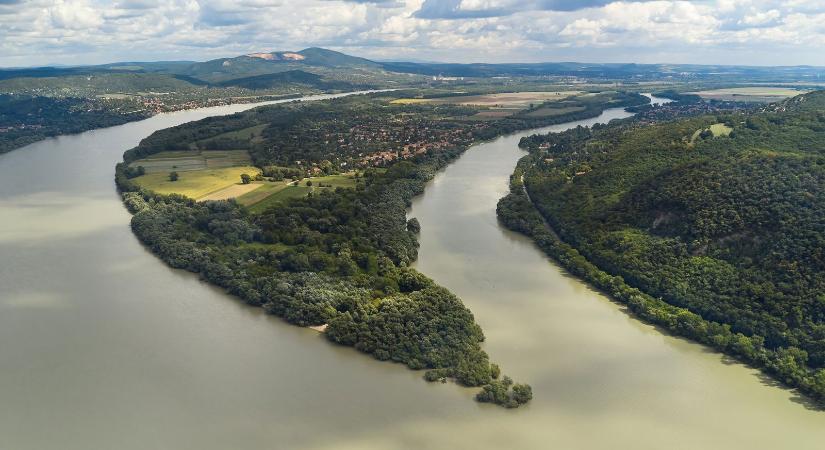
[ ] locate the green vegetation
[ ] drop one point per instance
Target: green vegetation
(719, 240)
(25, 119)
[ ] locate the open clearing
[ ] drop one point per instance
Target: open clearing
(233, 191)
(263, 190)
(278, 196)
(763, 94)
(272, 193)
(188, 160)
(197, 183)
(718, 130)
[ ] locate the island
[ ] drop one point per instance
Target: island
(300, 209)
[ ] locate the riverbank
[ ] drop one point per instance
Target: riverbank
(104, 120)
(519, 212)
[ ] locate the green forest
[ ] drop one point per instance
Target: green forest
(25, 119)
(711, 226)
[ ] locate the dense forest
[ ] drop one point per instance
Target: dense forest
(712, 226)
(26, 119)
(340, 257)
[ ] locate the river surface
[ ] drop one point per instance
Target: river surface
(104, 347)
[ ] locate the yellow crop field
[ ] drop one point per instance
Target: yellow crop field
(196, 183)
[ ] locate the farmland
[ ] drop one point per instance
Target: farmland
(764, 94)
(508, 100)
(225, 183)
(165, 162)
(195, 184)
(505, 104)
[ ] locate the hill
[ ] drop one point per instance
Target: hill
(319, 61)
(713, 226)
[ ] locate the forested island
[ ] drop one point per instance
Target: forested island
(336, 257)
(709, 226)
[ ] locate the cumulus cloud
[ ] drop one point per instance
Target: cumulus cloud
(711, 31)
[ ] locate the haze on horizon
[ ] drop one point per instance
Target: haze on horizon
(746, 32)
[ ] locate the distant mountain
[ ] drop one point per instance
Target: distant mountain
(311, 60)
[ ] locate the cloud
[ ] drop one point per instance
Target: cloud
(711, 31)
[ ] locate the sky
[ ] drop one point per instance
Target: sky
(752, 32)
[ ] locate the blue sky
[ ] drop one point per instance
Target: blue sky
(758, 32)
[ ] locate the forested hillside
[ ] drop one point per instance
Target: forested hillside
(720, 216)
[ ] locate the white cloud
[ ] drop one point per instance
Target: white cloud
(711, 31)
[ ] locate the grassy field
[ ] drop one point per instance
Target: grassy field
(278, 196)
(343, 181)
(233, 191)
(272, 193)
(264, 190)
(196, 183)
(720, 129)
(180, 161)
(762, 94)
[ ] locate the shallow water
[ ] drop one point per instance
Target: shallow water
(104, 347)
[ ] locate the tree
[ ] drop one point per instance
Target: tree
(495, 371)
(309, 183)
(245, 178)
(173, 176)
(522, 393)
(413, 226)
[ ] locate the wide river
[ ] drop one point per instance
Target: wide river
(103, 347)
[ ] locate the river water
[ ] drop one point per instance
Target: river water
(104, 347)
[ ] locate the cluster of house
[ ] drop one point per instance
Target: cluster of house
(404, 140)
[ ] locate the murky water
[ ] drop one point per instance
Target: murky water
(104, 347)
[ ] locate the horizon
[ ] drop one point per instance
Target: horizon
(411, 60)
(768, 33)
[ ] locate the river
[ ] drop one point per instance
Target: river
(102, 346)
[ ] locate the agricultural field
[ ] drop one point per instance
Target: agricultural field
(499, 105)
(188, 160)
(234, 191)
(225, 184)
(195, 184)
(762, 94)
(507, 100)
